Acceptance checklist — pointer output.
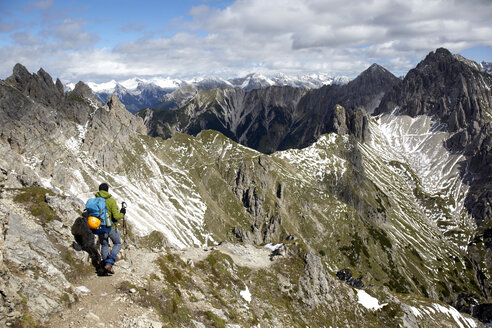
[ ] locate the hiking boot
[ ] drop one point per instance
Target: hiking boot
(109, 268)
(101, 272)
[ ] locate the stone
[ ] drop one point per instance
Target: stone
(92, 316)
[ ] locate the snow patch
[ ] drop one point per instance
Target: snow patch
(83, 289)
(75, 142)
(367, 301)
(452, 312)
(416, 312)
(317, 161)
(273, 247)
(246, 295)
(92, 103)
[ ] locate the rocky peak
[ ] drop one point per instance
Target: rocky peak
(20, 75)
(439, 54)
(376, 68)
(81, 89)
(38, 86)
(368, 88)
(375, 74)
(114, 104)
(443, 86)
(59, 86)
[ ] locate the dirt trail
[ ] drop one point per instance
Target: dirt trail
(104, 304)
(242, 255)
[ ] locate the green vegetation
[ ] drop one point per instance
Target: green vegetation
(34, 198)
(381, 237)
(153, 240)
(216, 321)
(77, 268)
(27, 321)
(65, 299)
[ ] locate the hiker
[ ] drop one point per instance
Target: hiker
(108, 258)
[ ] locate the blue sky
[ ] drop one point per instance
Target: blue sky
(110, 39)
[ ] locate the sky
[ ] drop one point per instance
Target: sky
(119, 39)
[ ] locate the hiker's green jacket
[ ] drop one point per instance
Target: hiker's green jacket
(111, 205)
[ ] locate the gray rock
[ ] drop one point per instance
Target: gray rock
(38, 86)
(315, 284)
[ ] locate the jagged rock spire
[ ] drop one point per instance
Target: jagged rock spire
(38, 86)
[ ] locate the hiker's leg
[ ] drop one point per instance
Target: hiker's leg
(103, 240)
(94, 255)
(115, 238)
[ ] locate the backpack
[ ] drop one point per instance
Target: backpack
(97, 207)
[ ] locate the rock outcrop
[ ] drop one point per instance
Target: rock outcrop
(39, 87)
(443, 86)
(34, 264)
(36, 114)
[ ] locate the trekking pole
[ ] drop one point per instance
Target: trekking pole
(123, 205)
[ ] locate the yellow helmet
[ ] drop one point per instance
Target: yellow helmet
(93, 222)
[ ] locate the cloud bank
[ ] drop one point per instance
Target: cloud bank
(290, 36)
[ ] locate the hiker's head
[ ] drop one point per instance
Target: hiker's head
(104, 186)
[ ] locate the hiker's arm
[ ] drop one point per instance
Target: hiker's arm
(113, 209)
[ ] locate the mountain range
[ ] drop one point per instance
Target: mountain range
(486, 67)
(364, 204)
(277, 118)
(138, 93)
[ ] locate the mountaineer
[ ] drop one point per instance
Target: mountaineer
(103, 219)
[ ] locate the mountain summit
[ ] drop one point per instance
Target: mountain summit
(444, 86)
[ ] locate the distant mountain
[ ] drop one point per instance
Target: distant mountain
(137, 93)
(486, 67)
(273, 118)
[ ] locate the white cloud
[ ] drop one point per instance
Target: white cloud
(292, 36)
